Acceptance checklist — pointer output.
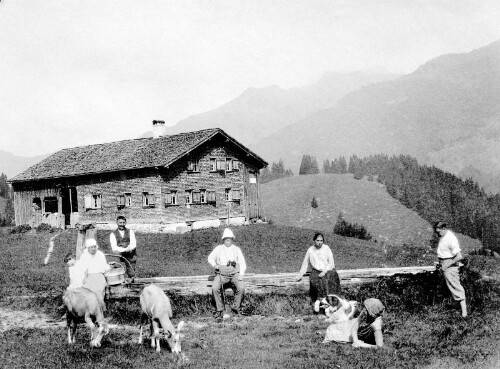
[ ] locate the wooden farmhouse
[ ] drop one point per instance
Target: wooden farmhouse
(173, 183)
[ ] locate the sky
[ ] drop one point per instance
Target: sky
(74, 73)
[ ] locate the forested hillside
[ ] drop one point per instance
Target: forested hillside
(446, 113)
(432, 193)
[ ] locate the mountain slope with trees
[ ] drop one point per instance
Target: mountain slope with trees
(446, 113)
(435, 195)
(288, 201)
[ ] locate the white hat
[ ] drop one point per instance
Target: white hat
(90, 242)
(227, 233)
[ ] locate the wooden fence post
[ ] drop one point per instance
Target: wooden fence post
(85, 231)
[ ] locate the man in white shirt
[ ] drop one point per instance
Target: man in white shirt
(123, 243)
(229, 264)
(450, 255)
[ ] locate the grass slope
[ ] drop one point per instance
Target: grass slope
(267, 249)
(287, 201)
(422, 323)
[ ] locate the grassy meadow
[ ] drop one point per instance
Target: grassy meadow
(267, 249)
(422, 323)
(288, 201)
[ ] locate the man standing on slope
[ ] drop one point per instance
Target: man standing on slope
(123, 243)
(449, 254)
(229, 264)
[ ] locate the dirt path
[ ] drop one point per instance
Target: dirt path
(11, 319)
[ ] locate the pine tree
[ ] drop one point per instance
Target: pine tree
(4, 186)
(327, 168)
(342, 165)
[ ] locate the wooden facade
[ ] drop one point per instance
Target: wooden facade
(216, 180)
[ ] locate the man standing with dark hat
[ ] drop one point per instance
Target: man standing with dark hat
(450, 255)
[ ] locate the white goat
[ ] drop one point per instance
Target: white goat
(157, 311)
(82, 304)
(342, 312)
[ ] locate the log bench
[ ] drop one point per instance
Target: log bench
(259, 283)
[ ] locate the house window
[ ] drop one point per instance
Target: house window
(221, 164)
(229, 165)
(188, 196)
(213, 164)
(120, 201)
(228, 194)
(93, 201)
(171, 198)
(236, 165)
(211, 197)
(128, 200)
(50, 204)
(148, 200)
(124, 201)
(196, 197)
(203, 196)
(193, 166)
(37, 204)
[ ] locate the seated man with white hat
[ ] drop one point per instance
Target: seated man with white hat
(229, 264)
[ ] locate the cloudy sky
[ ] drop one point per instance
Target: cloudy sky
(74, 72)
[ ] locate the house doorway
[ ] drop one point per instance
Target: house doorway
(252, 195)
(69, 205)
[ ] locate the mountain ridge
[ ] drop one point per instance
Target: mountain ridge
(444, 116)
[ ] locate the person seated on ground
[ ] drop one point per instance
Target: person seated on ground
(324, 279)
(95, 262)
(363, 331)
(76, 274)
(229, 264)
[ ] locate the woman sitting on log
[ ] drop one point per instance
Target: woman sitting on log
(324, 279)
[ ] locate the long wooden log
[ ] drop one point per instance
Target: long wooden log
(259, 283)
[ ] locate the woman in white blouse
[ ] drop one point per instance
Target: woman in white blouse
(324, 279)
(95, 262)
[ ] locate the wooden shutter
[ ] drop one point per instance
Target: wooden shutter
(88, 201)
(190, 166)
(168, 198)
(236, 195)
(229, 165)
(236, 165)
(211, 198)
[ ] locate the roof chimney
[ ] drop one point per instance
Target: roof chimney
(158, 128)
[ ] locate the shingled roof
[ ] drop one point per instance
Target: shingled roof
(122, 155)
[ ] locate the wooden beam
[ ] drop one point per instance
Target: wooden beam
(260, 283)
